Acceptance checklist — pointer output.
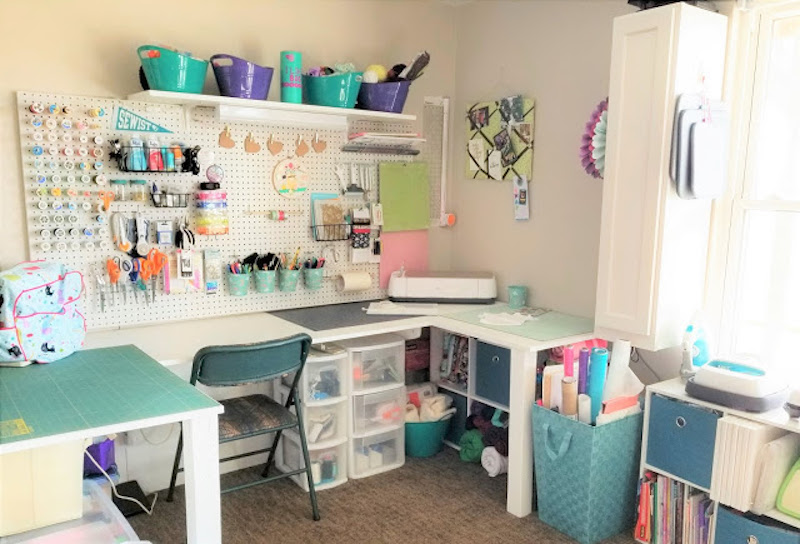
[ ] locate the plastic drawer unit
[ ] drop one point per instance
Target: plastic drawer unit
(377, 412)
(681, 440)
(324, 421)
(735, 529)
(324, 377)
(328, 464)
(376, 362)
(376, 453)
(493, 373)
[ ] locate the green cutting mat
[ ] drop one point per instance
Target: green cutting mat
(404, 196)
(90, 388)
(546, 327)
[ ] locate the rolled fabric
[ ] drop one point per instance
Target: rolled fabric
(471, 445)
(412, 414)
(597, 379)
(494, 463)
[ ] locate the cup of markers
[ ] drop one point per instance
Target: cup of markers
(238, 279)
(265, 280)
(289, 272)
(313, 273)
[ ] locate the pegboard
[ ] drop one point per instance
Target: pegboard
(248, 182)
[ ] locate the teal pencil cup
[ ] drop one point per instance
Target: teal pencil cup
(265, 281)
(291, 77)
(287, 279)
(313, 278)
(517, 296)
(238, 284)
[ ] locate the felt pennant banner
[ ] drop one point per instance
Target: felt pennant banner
(128, 120)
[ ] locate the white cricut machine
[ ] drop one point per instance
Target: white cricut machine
(445, 287)
(741, 385)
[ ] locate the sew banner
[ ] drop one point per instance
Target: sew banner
(128, 120)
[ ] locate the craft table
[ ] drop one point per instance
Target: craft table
(176, 343)
(96, 392)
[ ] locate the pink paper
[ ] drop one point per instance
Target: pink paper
(408, 249)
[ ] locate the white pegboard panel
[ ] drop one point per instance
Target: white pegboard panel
(434, 130)
(247, 182)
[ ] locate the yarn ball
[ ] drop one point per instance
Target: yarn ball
(593, 143)
(377, 71)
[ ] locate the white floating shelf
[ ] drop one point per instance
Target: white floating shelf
(242, 109)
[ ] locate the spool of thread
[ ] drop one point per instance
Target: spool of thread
(585, 409)
(597, 379)
(583, 370)
(569, 397)
(353, 281)
(546, 385)
(569, 360)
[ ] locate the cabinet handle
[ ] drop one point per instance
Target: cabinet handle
(496, 359)
(680, 421)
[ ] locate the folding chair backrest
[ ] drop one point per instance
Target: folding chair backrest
(248, 363)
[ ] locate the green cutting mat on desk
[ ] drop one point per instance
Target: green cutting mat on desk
(404, 196)
(544, 328)
(90, 388)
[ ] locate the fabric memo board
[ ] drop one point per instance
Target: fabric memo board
(505, 127)
(404, 196)
(250, 195)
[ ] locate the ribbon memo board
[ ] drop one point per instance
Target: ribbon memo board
(500, 139)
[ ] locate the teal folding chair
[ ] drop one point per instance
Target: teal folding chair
(253, 415)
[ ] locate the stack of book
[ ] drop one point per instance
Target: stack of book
(671, 512)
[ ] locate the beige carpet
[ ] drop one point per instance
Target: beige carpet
(439, 499)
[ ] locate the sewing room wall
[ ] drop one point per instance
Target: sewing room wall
(90, 49)
(557, 53)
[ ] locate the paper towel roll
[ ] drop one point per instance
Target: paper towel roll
(584, 409)
(353, 281)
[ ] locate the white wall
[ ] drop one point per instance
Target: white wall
(558, 53)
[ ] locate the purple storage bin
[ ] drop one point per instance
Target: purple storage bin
(103, 453)
(390, 96)
(241, 79)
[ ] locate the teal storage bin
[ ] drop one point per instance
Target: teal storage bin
(586, 476)
(425, 438)
(337, 90)
(168, 70)
(312, 277)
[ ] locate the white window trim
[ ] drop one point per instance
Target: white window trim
(741, 91)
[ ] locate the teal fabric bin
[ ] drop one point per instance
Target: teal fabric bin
(586, 476)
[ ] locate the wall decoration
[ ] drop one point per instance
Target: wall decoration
(289, 178)
(250, 144)
(225, 139)
(593, 143)
(500, 139)
(274, 145)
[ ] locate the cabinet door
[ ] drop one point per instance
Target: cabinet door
(635, 151)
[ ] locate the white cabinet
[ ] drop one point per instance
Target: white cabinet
(653, 245)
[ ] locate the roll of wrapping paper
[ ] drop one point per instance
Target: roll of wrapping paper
(353, 281)
(546, 385)
(597, 379)
(569, 397)
(585, 409)
(569, 360)
(583, 370)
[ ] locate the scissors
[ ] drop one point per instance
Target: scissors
(107, 197)
(115, 266)
(157, 261)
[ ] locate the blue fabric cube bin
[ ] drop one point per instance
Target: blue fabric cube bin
(586, 476)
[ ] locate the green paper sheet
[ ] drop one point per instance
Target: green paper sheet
(404, 196)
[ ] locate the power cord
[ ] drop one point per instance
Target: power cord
(169, 435)
(114, 487)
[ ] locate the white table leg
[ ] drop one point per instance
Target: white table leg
(201, 470)
(519, 498)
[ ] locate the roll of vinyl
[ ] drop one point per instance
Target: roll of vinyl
(546, 389)
(353, 281)
(585, 409)
(569, 396)
(583, 370)
(622, 382)
(597, 379)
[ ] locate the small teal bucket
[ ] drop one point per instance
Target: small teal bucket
(425, 438)
(337, 90)
(517, 296)
(168, 70)
(287, 279)
(238, 284)
(265, 281)
(313, 278)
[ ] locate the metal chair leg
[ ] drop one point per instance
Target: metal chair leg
(175, 466)
(304, 446)
(272, 450)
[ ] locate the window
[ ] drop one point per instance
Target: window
(761, 288)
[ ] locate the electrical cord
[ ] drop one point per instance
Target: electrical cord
(114, 487)
(169, 435)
